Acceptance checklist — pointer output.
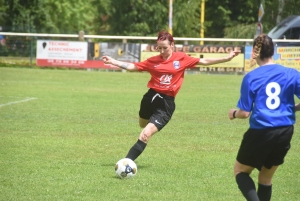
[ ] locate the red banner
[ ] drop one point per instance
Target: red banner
(75, 64)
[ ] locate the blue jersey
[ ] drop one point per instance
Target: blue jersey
(268, 93)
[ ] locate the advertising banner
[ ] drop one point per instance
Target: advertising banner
(129, 52)
(207, 51)
(73, 54)
(61, 53)
(286, 56)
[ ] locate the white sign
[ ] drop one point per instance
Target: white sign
(62, 50)
(261, 12)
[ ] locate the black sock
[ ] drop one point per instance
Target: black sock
(264, 192)
(136, 150)
(247, 186)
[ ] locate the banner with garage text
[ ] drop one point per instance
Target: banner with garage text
(207, 51)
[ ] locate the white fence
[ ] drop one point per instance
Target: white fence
(139, 37)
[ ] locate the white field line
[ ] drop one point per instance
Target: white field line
(15, 102)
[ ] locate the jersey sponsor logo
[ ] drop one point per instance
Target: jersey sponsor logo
(176, 64)
(165, 79)
(156, 65)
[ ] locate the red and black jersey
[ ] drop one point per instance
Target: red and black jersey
(167, 75)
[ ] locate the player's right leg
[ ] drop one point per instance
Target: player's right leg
(283, 136)
(155, 112)
(265, 175)
(141, 144)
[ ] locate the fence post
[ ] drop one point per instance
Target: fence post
(81, 35)
(124, 41)
(31, 48)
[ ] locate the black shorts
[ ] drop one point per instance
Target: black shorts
(157, 107)
(265, 147)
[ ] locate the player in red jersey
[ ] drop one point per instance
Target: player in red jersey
(167, 74)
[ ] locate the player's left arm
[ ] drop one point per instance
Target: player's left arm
(210, 61)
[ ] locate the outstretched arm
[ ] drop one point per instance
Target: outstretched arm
(210, 61)
(120, 64)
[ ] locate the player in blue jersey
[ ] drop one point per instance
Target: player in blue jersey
(267, 96)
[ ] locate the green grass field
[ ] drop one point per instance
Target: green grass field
(61, 133)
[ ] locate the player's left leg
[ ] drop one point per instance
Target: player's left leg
(265, 176)
(143, 122)
(245, 183)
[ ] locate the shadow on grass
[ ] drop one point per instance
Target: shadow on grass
(142, 166)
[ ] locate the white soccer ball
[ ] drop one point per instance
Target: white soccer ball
(126, 168)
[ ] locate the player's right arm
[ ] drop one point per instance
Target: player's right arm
(238, 113)
(120, 64)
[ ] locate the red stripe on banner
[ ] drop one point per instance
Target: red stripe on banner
(74, 64)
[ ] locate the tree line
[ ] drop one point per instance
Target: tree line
(143, 17)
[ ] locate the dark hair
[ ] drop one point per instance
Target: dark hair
(164, 35)
(263, 47)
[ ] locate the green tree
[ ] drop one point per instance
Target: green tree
(3, 13)
(274, 12)
(147, 17)
(186, 18)
(223, 18)
(50, 16)
(138, 17)
(225, 14)
(67, 16)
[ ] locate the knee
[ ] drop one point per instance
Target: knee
(264, 180)
(145, 136)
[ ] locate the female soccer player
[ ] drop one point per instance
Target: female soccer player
(267, 95)
(167, 73)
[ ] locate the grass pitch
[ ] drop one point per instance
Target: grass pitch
(61, 133)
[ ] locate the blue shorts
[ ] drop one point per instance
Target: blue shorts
(265, 147)
(157, 107)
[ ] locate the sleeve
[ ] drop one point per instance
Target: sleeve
(145, 65)
(190, 62)
(142, 66)
(247, 97)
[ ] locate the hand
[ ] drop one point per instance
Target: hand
(107, 59)
(233, 54)
(230, 114)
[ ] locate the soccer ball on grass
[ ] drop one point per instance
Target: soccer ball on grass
(125, 168)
